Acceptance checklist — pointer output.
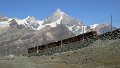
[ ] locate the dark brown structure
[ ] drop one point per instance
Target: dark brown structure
(64, 41)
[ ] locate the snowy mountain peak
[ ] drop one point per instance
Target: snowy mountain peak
(94, 26)
(17, 22)
(3, 18)
(30, 19)
(58, 11)
(14, 20)
(59, 17)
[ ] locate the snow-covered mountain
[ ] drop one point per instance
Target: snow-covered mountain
(3, 18)
(103, 28)
(29, 22)
(53, 20)
(32, 22)
(4, 22)
(58, 17)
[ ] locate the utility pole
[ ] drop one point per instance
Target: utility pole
(111, 23)
(83, 30)
(61, 42)
(46, 50)
(6, 51)
(22, 48)
(37, 45)
(34, 49)
(10, 51)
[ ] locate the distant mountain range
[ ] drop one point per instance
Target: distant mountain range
(58, 17)
(16, 33)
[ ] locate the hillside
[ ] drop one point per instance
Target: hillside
(104, 52)
(100, 54)
(78, 44)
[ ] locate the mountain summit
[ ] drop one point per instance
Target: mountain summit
(59, 11)
(58, 17)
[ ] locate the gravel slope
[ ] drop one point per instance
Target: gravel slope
(100, 54)
(20, 62)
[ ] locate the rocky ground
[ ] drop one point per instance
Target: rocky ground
(100, 54)
(36, 62)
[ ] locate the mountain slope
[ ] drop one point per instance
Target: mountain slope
(100, 54)
(52, 34)
(14, 38)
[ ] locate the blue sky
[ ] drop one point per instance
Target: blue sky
(89, 11)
